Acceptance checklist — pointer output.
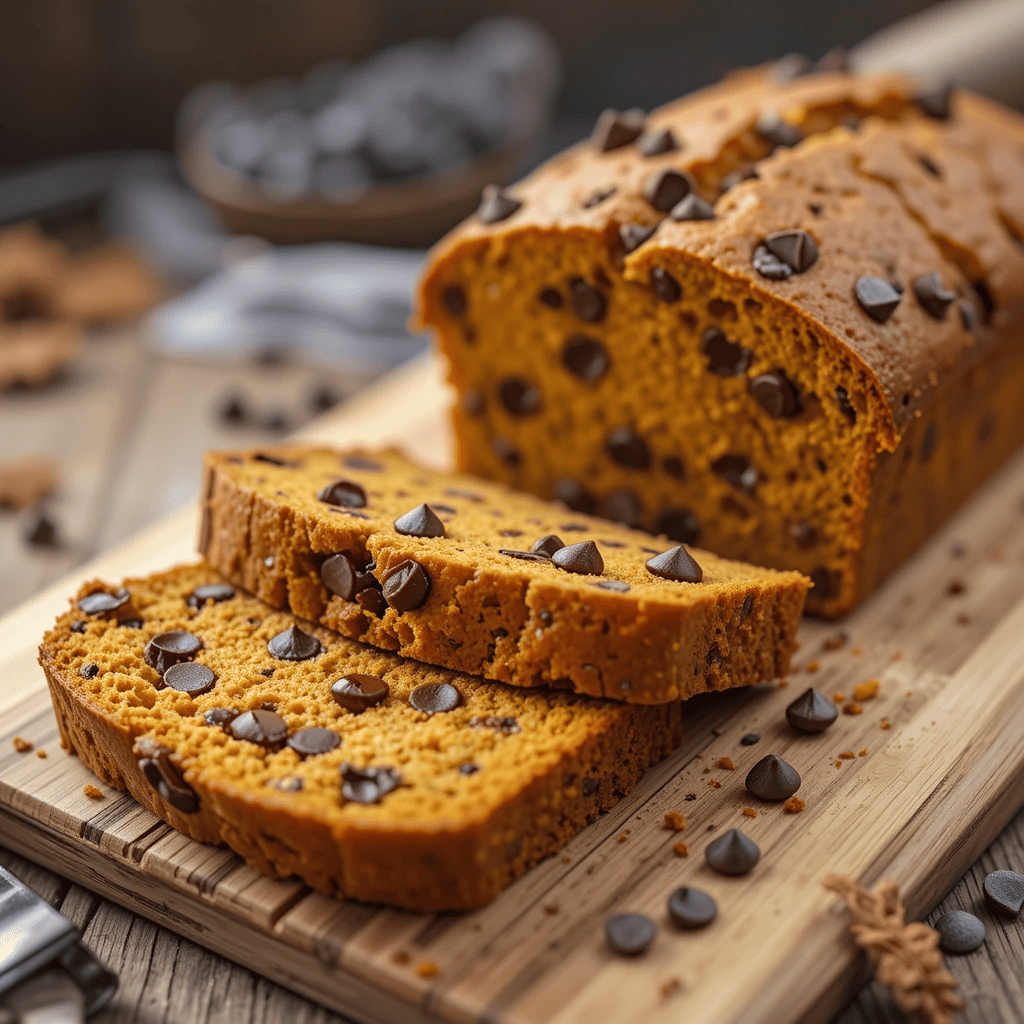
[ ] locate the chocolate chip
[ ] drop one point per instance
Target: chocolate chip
(367, 785)
(264, 728)
(615, 585)
(421, 521)
(90, 670)
(496, 205)
(845, 405)
(574, 527)
(959, 932)
(676, 564)
(1004, 892)
(79, 626)
(454, 300)
(583, 558)
(102, 603)
(692, 207)
(233, 410)
(357, 691)
(654, 143)
(877, 297)
(750, 739)
(434, 698)
(772, 779)
(805, 535)
(293, 644)
(42, 533)
(598, 196)
(795, 248)
(523, 556)
(587, 301)
(968, 315)
(360, 461)
(547, 545)
(936, 103)
(724, 358)
(732, 179)
(220, 717)
(163, 775)
(823, 582)
(519, 396)
(736, 470)
(277, 422)
(777, 132)
(623, 506)
(929, 165)
(585, 358)
(572, 493)
(506, 451)
(630, 934)
(614, 130)
(732, 853)
(213, 592)
(664, 285)
(928, 442)
(934, 299)
(674, 466)
(666, 187)
(313, 740)
(338, 577)
(689, 909)
(627, 448)
(510, 533)
(678, 524)
(166, 649)
(407, 586)
(469, 768)
(344, 493)
(767, 264)
(775, 394)
(276, 460)
(634, 235)
(188, 677)
(551, 297)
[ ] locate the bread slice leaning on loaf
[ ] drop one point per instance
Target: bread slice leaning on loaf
(431, 792)
(464, 573)
(780, 318)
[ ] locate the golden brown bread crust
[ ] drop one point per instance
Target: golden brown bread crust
(547, 763)
(517, 621)
(894, 194)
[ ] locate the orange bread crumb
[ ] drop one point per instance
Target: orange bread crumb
(714, 784)
(885, 724)
(749, 812)
(427, 969)
(847, 755)
(839, 697)
(813, 666)
(863, 752)
(92, 792)
(22, 746)
(551, 908)
(839, 764)
(726, 764)
(675, 821)
(622, 838)
(794, 805)
(853, 708)
(40, 753)
(681, 850)
(865, 691)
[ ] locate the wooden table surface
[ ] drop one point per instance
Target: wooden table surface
(128, 429)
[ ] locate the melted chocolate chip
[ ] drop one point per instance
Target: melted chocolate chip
(164, 776)
(732, 179)
(877, 297)
(666, 187)
(523, 556)
(572, 493)
(634, 235)
(406, 586)
(102, 603)
(220, 717)
(79, 626)
(662, 140)
(676, 564)
(359, 461)
(314, 740)
(454, 300)
(767, 264)
(936, 103)
(421, 521)
(775, 394)
(664, 285)
(357, 691)
(547, 545)
(777, 132)
(469, 768)
(435, 698)
(678, 524)
(614, 585)
(276, 460)
(845, 405)
(583, 558)
(692, 208)
(795, 248)
(724, 358)
(551, 297)
(293, 644)
(90, 670)
(367, 785)
(166, 649)
(674, 466)
(627, 448)
(338, 576)
(598, 196)
(934, 299)
(343, 493)
(588, 303)
(614, 130)
(585, 358)
(736, 470)
(191, 678)
(496, 205)
(264, 728)
(212, 592)
(519, 396)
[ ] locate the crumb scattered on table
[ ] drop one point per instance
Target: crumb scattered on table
(885, 724)
(838, 764)
(427, 969)
(93, 793)
(675, 821)
(865, 691)
(897, 656)
(847, 755)
(863, 752)
(401, 957)
(813, 666)
(955, 589)
(783, 683)
(749, 812)
(669, 987)
(681, 850)
(837, 642)
(857, 651)
(839, 697)
(551, 908)
(690, 796)
(621, 838)
(714, 784)
(22, 746)
(794, 805)
(853, 708)
(726, 764)
(566, 859)
(40, 753)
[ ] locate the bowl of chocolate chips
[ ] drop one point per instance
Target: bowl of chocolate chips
(394, 150)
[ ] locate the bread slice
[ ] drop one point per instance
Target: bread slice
(433, 798)
(442, 568)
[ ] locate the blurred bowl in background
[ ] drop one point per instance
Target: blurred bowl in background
(394, 151)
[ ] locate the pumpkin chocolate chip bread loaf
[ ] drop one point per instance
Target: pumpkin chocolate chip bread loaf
(367, 775)
(464, 573)
(780, 318)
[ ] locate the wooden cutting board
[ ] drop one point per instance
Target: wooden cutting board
(917, 802)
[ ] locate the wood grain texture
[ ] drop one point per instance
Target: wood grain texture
(931, 792)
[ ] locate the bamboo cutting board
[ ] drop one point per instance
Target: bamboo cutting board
(917, 802)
